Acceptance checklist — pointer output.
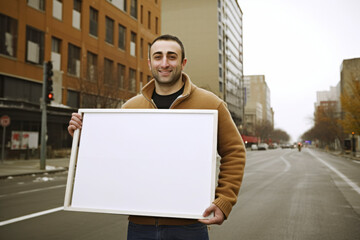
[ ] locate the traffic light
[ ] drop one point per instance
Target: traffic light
(49, 95)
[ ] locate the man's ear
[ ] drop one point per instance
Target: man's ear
(183, 63)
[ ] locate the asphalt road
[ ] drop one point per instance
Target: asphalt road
(285, 195)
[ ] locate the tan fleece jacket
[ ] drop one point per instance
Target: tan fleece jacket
(230, 146)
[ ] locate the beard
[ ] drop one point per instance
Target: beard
(168, 80)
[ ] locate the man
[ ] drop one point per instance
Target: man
(172, 89)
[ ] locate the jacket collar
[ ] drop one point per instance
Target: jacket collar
(148, 90)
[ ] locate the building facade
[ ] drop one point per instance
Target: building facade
(333, 95)
(258, 105)
(99, 55)
(349, 76)
(212, 34)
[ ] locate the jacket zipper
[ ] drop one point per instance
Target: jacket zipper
(177, 100)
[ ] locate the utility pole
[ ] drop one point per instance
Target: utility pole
(47, 97)
(43, 122)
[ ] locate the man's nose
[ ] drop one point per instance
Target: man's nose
(164, 62)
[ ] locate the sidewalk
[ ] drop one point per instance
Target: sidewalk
(27, 167)
(340, 154)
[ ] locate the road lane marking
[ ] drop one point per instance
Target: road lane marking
(347, 180)
(32, 191)
(33, 215)
(286, 163)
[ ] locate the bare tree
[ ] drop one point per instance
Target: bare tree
(263, 129)
(102, 91)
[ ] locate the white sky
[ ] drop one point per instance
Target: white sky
(299, 46)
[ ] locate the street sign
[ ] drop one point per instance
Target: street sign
(5, 120)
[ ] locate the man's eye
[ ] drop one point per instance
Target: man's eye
(157, 57)
(172, 57)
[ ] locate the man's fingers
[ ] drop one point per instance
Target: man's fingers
(218, 215)
(208, 211)
(74, 123)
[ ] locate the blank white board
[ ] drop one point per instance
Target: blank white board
(148, 162)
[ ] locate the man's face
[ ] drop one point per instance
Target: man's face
(165, 62)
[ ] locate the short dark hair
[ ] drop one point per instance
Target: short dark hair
(168, 37)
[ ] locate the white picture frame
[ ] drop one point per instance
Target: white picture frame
(145, 162)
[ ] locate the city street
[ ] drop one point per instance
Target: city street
(285, 195)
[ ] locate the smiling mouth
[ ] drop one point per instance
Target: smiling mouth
(165, 72)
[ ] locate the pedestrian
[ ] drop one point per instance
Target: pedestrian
(171, 88)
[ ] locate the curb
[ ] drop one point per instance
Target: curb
(34, 172)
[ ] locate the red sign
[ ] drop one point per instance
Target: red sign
(5, 120)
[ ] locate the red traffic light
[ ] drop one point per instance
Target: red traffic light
(352, 133)
(50, 96)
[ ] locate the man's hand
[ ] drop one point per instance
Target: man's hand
(75, 123)
(218, 215)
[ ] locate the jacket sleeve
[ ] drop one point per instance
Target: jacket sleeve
(232, 163)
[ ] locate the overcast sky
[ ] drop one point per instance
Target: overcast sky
(299, 46)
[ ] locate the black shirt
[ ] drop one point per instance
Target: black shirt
(165, 101)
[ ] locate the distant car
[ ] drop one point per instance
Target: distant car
(273, 146)
(263, 146)
(254, 147)
(286, 145)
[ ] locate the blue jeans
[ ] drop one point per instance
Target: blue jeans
(197, 231)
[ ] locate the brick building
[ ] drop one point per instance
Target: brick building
(99, 54)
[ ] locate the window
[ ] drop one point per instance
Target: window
(132, 84)
(141, 80)
(220, 86)
(220, 44)
(109, 38)
(149, 20)
(141, 14)
(56, 53)
(141, 48)
(108, 71)
(38, 4)
(220, 58)
(133, 44)
(14, 88)
(91, 67)
(121, 4)
(220, 72)
(76, 20)
(133, 8)
(121, 75)
(156, 25)
(8, 35)
(122, 37)
(34, 45)
(93, 22)
(74, 60)
(73, 99)
(57, 9)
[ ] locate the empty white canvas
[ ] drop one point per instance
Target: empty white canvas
(144, 162)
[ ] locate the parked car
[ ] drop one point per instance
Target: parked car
(263, 146)
(254, 147)
(273, 146)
